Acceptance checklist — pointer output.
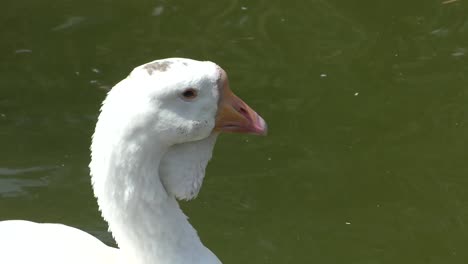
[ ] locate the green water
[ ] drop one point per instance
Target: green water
(366, 160)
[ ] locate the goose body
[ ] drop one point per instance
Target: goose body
(153, 140)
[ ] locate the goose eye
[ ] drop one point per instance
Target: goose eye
(189, 94)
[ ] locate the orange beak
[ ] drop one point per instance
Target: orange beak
(235, 116)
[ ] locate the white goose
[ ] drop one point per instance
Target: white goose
(153, 140)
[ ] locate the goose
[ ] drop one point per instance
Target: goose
(153, 139)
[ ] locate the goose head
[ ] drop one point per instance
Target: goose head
(176, 108)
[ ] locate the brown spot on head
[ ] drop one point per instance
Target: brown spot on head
(160, 66)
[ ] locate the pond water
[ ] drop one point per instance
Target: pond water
(366, 101)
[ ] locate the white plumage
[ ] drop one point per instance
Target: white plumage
(153, 140)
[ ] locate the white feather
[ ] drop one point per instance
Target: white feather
(150, 147)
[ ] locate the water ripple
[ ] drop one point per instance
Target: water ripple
(16, 186)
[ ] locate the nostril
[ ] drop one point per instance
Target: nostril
(243, 111)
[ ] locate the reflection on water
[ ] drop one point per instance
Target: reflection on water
(70, 22)
(11, 172)
(12, 187)
(16, 182)
(366, 103)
